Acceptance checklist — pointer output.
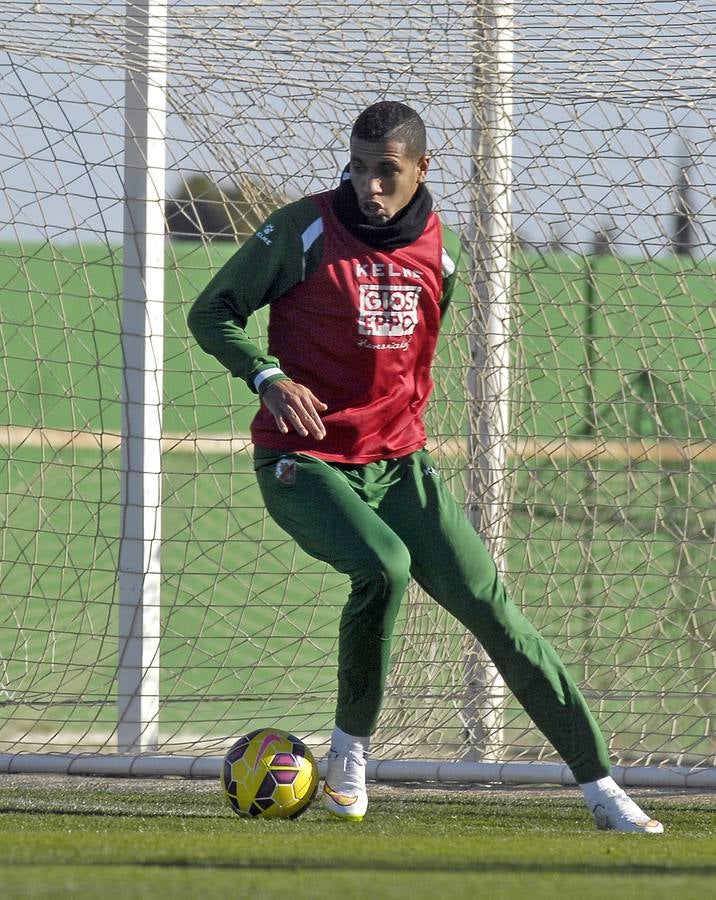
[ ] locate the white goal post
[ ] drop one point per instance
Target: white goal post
(139, 572)
(151, 611)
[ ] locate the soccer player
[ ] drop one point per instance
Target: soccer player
(357, 280)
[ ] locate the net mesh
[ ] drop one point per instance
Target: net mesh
(607, 525)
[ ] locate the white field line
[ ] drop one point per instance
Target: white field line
(56, 439)
(558, 449)
(634, 450)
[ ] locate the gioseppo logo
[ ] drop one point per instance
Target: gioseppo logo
(389, 310)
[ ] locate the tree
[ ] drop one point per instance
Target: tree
(682, 240)
(202, 208)
(603, 240)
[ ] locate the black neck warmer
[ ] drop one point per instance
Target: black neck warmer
(401, 230)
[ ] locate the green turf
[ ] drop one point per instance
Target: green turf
(624, 555)
(649, 315)
(61, 305)
(184, 844)
(234, 651)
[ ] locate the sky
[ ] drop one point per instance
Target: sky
(609, 100)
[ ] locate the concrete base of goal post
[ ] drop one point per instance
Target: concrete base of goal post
(142, 348)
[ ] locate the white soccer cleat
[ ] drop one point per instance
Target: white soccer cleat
(344, 793)
(614, 810)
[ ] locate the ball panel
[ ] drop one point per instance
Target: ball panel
(237, 751)
(260, 807)
(305, 803)
(265, 790)
(226, 775)
(235, 806)
(284, 759)
(285, 776)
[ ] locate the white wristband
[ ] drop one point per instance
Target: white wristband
(264, 374)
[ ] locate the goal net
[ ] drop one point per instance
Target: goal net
(573, 149)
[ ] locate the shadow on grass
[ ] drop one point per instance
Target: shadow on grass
(134, 813)
(507, 866)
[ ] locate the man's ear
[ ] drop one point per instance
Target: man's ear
(423, 164)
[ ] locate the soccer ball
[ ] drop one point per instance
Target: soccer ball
(269, 774)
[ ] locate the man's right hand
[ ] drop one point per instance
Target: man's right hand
(294, 406)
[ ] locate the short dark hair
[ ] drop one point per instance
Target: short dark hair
(392, 120)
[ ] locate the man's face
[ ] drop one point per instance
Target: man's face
(384, 177)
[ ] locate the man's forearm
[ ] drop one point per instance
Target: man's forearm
(220, 332)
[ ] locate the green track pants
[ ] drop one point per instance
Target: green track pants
(385, 522)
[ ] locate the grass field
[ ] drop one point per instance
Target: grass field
(233, 628)
(84, 838)
(624, 553)
(61, 305)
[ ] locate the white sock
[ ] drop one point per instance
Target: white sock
(593, 789)
(343, 743)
